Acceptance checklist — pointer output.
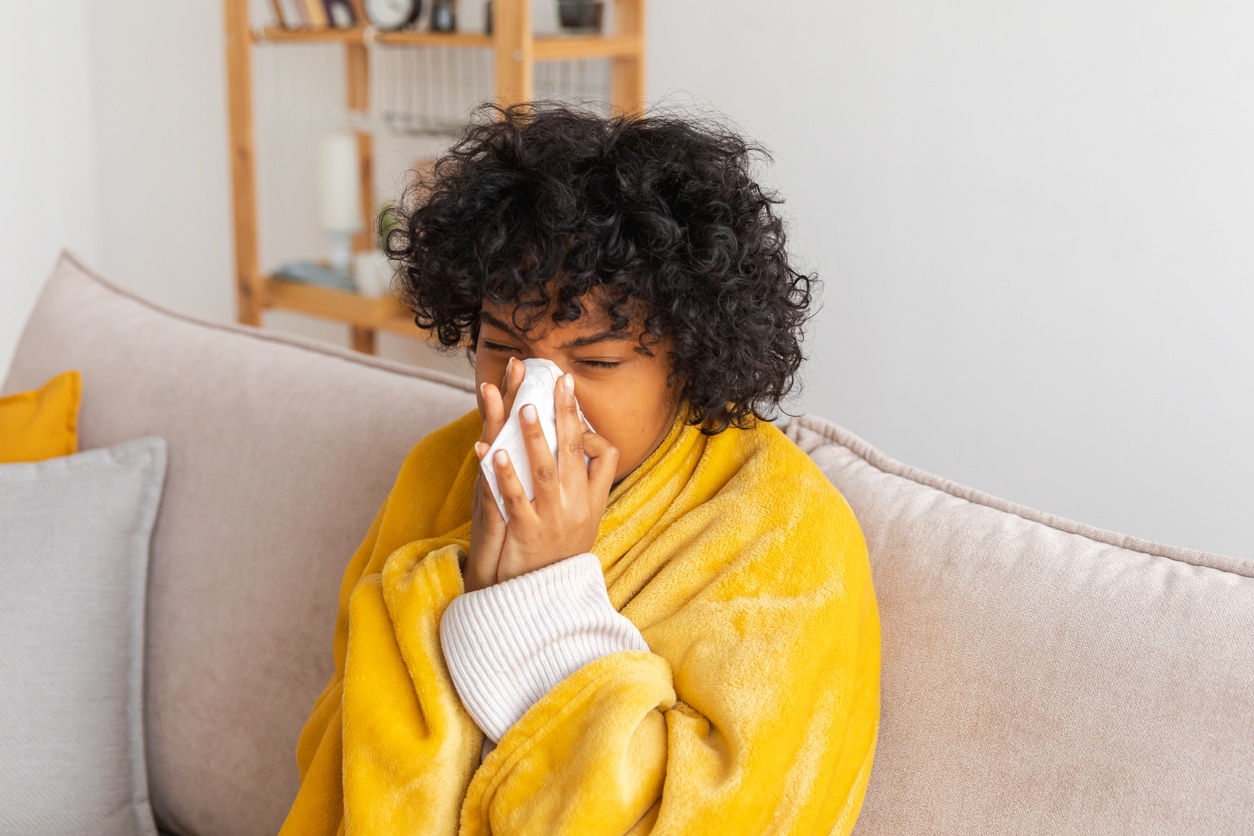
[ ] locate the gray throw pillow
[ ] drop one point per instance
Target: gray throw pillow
(74, 537)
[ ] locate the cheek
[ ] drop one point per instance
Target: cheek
(601, 406)
(489, 368)
(626, 413)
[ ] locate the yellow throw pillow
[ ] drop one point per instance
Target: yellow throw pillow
(42, 423)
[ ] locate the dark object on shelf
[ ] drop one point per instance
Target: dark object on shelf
(584, 18)
(307, 272)
(443, 17)
(340, 14)
(487, 18)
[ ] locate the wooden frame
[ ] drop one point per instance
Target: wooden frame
(516, 51)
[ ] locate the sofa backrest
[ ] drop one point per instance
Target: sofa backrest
(1041, 676)
(1038, 676)
(280, 453)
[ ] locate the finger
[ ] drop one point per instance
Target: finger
(603, 464)
(481, 450)
(491, 512)
(543, 468)
(493, 412)
(487, 538)
(515, 371)
(488, 522)
(570, 464)
(495, 401)
(512, 493)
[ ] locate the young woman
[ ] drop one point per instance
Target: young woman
(679, 633)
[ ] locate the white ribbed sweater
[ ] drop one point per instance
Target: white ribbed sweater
(508, 645)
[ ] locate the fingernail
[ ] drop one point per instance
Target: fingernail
(568, 383)
(482, 386)
(501, 457)
(529, 414)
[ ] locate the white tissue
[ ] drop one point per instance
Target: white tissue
(537, 388)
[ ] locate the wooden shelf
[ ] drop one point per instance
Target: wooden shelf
(383, 313)
(547, 48)
(277, 34)
(358, 35)
(463, 39)
(574, 47)
(516, 50)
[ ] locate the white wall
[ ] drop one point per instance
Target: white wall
(48, 194)
(114, 147)
(1034, 223)
(122, 156)
(159, 90)
(1031, 219)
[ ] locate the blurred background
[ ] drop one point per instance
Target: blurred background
(1033, 219)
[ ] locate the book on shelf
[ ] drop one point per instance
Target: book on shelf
(315, 14)
(288, 13)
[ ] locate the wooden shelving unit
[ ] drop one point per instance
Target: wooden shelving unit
(516, 51)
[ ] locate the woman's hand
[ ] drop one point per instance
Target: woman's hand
(570, 499)
(487, 526)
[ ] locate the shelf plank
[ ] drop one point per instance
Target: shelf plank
(277, 34)
(418, 38)
(547, 48)
(383, 313)
(574, 47)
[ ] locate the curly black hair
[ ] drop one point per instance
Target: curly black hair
(538, 204)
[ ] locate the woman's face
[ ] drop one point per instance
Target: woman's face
(622, 392)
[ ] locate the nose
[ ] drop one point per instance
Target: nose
(552, 356)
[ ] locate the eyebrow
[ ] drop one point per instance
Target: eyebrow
(578, 342)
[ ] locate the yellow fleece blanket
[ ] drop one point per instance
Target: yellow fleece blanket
(756, 710)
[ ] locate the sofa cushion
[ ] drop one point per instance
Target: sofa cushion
(41, 423)
(281, 450)
(1044, 676)
(74, 538)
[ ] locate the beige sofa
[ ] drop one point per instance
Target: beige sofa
(1039, 676)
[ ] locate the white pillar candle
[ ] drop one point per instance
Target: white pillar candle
(339, 178)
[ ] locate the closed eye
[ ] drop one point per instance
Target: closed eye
(600, 364)
(506, 349)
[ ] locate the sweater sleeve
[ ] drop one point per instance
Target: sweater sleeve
(508, 645)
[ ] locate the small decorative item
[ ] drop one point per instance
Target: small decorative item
(390, 218)
(580, 17)
(340, 14)
(443, 16)
(309, 272)
(390, 15)
(372, 274)
(339, 180)
(372, 270)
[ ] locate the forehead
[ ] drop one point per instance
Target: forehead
(535, 322)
